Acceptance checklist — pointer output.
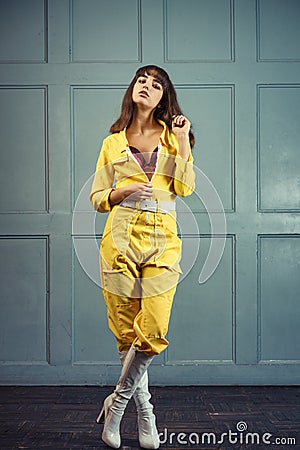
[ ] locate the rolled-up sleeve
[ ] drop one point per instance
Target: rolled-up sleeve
(103, 180)
(184, 176)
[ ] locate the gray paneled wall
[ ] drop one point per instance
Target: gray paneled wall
(64, 67)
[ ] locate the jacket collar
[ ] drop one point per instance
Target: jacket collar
(165, 132)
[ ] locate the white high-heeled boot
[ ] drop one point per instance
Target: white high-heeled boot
(134, 367)
(148, 434)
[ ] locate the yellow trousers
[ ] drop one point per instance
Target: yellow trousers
(139, 255)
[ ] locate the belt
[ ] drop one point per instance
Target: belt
(149, 205)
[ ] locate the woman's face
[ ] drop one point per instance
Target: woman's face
(147, 92)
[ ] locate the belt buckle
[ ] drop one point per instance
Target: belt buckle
(148, 205)
(128, 204)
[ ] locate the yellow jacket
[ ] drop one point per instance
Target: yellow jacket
(117, 168)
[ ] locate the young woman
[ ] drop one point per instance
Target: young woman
(143, 165)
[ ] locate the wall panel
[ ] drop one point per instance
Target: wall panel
(278, 147)
(211, 110)
(94, 108)
(98, 36)
(278, 30)
(279, 318)
(206, 37)
(24, 155)
(23, 35)
(24, 319)
(203, 318)
(91, 342)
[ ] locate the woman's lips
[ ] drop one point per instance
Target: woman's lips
(144, 94)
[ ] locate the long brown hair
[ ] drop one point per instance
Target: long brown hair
(167, 108)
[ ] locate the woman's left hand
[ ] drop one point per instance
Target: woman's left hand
(180, 125)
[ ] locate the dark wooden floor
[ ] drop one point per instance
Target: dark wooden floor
(64, 417)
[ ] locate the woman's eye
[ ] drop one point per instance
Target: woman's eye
(156, 86)
(141, 80)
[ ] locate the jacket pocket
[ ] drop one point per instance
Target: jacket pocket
(120, 161)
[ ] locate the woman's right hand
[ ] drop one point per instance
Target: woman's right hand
(135, 192)
(138, 191)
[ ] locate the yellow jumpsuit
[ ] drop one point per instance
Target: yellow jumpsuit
(140, 250)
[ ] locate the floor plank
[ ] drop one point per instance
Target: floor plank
(51, 417)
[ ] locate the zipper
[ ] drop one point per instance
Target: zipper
(156, 165)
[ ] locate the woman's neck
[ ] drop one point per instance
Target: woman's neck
(143, 122)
